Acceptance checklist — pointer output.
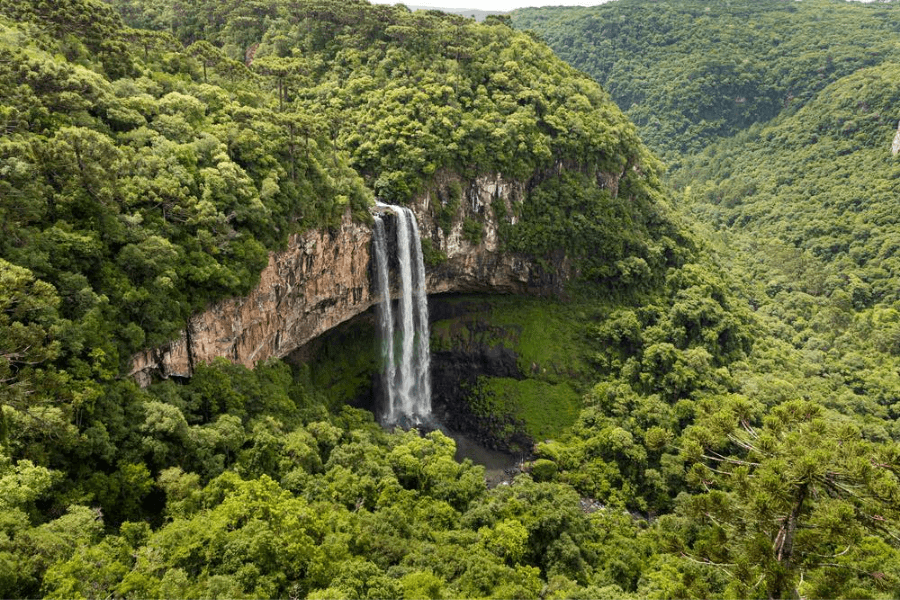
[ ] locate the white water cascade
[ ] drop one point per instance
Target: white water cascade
(404, 333)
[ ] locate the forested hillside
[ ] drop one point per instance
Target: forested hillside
(690, 72)
(777, 121)
(808, 204)
(154, 151)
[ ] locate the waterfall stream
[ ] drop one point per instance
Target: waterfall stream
(404, 333)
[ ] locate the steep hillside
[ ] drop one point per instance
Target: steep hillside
(412, 95)
(821, 181)
(691, 72)
(810, 203)
(777, 122)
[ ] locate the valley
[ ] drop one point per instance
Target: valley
(318, 298)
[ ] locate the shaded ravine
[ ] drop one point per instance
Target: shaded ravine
(352, 352)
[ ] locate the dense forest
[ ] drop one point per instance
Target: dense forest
(776, 120)
(689, 73)
(717, 413)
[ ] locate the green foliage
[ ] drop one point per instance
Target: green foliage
(446, 214)
(472, 230)
(690, 72)
(611, 232)
(805, 205)
(147, 172)
(801, 478)
(143, 194)
(426, 101)
(797, 204)
(829, 225)
(543, 469)
(85, 31)
(409, 93)
(255, 537)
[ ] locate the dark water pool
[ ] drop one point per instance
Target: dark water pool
(499, 466)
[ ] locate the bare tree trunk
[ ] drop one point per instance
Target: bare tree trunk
(784, 546)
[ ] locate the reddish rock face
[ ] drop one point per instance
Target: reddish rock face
(324, 278)
(319, 281)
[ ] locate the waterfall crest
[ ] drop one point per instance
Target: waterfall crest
(404, 333)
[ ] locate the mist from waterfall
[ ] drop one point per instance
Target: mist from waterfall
(404, 333)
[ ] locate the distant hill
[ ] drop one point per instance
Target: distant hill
(478, 15)
(690, 72)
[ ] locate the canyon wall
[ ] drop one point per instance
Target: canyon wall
(324, 277)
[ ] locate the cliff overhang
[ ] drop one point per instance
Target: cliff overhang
(325, 277)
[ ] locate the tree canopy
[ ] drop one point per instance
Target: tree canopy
(691, 72)
(711, 405)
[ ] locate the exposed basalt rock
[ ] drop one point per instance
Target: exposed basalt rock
(344, 363)
(314, 285)
(324, 278)
(454, 378)
(483, 267)
(477, 351)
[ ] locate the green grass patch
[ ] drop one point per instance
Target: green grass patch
(547, 335)
(548, 410)
(551, 347)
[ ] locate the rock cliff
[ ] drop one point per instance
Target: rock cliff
(324, 277)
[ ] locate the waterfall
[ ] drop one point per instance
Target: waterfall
(404, 334)
(423, 335)
(385, 318)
